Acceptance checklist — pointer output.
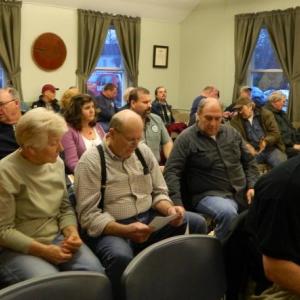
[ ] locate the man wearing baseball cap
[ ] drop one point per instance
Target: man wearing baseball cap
(47, 98)
(260, 131)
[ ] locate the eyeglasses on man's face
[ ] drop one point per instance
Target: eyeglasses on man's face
(129, 140)
(2, 104)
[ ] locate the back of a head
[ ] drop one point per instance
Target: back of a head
(209, 91)
(33, 128)
(67, 95)
(109, 87)
(127, 93)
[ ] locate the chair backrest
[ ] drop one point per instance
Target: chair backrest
(75, 285)
(182, 267)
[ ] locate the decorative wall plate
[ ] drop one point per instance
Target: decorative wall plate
(49, 51)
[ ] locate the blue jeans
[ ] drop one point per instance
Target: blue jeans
(16, 266)
(115, 252)
(196, 222)
(222, 210)
(271, 157)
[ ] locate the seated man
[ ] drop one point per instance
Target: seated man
(116, 220)
(105, 102)
(161, 107)
(275, 212)
(260, 131)
(10, 113)
(38, 230)
(208, 91)
(212, 162)
(289, 135)
(47, 98)
(155, 134)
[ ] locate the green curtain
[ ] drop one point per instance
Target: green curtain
(92, 30)
(10, 36)
(246, 32)
(283, 27)
(128, 32)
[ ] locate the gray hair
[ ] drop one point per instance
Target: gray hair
(12, 91)
(203, 102)
(34, 128)
(275, 96)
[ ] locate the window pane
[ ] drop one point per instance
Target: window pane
(270, 80)
(265, 71)
(2, 77)
(111, 54)
(264, 53)
(100, 78)
(109, 68)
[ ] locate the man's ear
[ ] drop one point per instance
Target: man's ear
(18, 103)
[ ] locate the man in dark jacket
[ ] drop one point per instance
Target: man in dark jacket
(10, 113)
(47, 98)
(260, 131)
(160, 106)
(105, 102)
(210, 169)
(290, 136)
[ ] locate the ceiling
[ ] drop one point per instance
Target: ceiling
(165, 10)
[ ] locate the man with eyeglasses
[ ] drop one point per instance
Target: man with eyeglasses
(116, 221)
(10, 113)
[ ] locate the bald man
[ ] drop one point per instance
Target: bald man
(116, 221)
(221, 171)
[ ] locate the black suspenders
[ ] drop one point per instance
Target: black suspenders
(103, 170)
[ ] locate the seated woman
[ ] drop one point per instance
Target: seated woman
(38, 229)
(83, 131)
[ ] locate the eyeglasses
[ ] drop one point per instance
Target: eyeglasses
(2, 104)
(131, 141)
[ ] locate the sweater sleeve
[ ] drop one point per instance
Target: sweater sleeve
(70, 142)
(10, 237)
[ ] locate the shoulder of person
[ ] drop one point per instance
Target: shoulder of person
(157, 119)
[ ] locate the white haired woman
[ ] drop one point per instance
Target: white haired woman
(38, 229)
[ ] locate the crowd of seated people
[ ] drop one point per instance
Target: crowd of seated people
(211, 171)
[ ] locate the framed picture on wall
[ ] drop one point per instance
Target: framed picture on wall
(160, 56)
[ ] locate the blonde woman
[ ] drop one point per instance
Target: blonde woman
(66, 97)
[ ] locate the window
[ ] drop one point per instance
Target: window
(265, 71)
(2, 76)
(109, 68)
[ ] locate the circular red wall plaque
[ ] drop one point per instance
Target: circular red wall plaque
(49, 51)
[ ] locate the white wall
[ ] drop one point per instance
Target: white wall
(207, 45)
(37, 19)
(165, 34)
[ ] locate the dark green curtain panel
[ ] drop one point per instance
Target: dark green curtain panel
(284, 30)
(10, 36)
(128, 33)
(92, 30)
(246, 32)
